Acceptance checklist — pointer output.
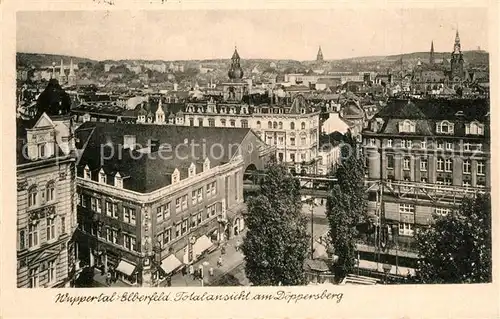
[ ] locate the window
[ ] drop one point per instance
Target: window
(372, 142)
(406, 208)
(423, 180)
(214, 188)
(50, 191)
(132, 216)
(444, 127)
(32, 196)
(423, 144)
(32, 235)
(441, 211)
(51, 271)
(440, 145)
(292, 157)
(302, 126)
(406, 163)
(406, 143)
(41, 150)
(448, 165)
(167, 236)
(407, 126)
(466, 167)
(440, 164)
(211, 122)
(200, 122)
(102, 177)
(390, 161)
(258, 124)
(109, 208)
(84, 201)
(99, 205)
(479, 147)
(51, 228)
(22, 239)
(389, 143)
(34, 277)
(194, 198)
(200, 195)
(466, 184)
(193, 221)
(93, 204)
(178, 230)
(449, 146)
(126, 214)
(480, 184)
(280, 125)
(269, 124)
(177, 204)
(184, 202)
(281, 140)
(405, 229)
(244, 123)
(474, 128)
(184, 226)
(275, 125)
(115, 236)
(423, 164)
(292, 141)
(480, 168)
(233, 123)
(302, 140)
(302, 156)
(292, 126)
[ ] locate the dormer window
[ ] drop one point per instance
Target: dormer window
(407, 126)
(444, 127)
(474, 128)
(102, 176)
(86, 173)
(118, 180)
(206, 164)
(175, 176)
(303, 111)
(192, 170)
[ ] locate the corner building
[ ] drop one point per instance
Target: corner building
(144, 211)
(423, 157)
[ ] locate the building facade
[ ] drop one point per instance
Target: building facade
(46, 205)
(142, 216)
(423, 157)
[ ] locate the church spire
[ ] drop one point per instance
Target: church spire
(71, 70)
(235, 71)
(457, 48)
(319, 57)
(61, 73)
(431, 56)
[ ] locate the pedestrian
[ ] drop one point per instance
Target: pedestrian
(211, 271)
(184, 271)
(223, 250)
(108, 278)
(169, 281)
(219, 261)
(237, 246)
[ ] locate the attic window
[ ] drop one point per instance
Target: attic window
(86, 173)
(303, 111)
(175, 176)
(474, 128)
(102, 176)
(444, 127)
(206, 165)
(192, 170)
(407, 126)
(118, 180)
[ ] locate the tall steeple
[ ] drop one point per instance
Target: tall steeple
(61, 73)
(431, 56)
(72, 75)
(319, 57)
(456, 47)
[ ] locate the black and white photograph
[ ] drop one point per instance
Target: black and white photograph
(245, 148)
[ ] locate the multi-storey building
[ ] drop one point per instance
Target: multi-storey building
(155, 197)
(291, 124)
(46, 205)
(423, 157)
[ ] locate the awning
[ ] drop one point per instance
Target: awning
(371, 265)
(125, 267)
(203, 243)
(170, 264)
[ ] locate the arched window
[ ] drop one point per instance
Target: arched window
(269, 124)
(32, 196)
(41, 150)
(258, 124)
(102, 176)
(280, 125)
(292, 126)
(303, 126)
(50, 191)
(275, 125)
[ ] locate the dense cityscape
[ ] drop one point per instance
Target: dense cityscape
(238, 172)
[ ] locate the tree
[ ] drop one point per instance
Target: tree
(346, 207)
(276, 244)
(457, 248)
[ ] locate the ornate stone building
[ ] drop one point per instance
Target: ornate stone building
(46, 205)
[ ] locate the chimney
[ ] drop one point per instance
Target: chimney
(129, 141)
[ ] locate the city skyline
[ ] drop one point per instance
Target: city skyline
(258, 34)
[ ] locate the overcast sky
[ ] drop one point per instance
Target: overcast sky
(274, 34)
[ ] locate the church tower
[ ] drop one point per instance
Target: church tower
(235, 72)
(62, 75)
(431, 56)
(71, 75)
(319, 57)
(457, 61)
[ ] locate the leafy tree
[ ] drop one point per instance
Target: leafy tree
(276, 244)
(457, 248)
(346, 207)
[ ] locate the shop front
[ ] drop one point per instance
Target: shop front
(126, 271)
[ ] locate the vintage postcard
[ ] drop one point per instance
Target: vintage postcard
(239, 161)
